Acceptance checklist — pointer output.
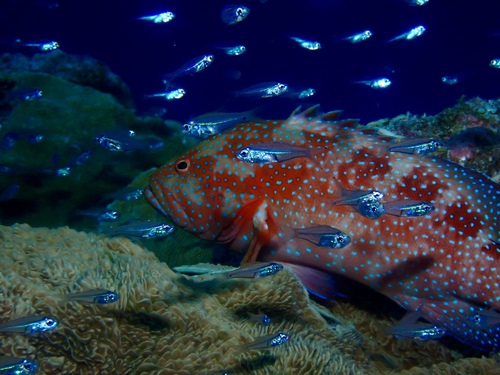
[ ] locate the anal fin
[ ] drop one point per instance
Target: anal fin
(318, 283)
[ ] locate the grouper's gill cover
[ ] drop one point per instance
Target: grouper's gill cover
(443, 264)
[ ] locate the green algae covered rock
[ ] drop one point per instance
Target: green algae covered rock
(179, 248)
(82, 70)
(53, 182)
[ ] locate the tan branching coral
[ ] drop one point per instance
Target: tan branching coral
(167, 323)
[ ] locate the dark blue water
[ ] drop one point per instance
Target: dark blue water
(461, 38)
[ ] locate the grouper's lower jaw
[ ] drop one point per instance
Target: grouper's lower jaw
(169, 208)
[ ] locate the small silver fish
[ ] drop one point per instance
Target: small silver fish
(272, 152)
(234, 50)
(306, 93)
(410, 327)
(29, 325)
(264, 90)
(232, 14)
(254, 271)
(268, 341)
(360, 37)
(370, 209)
(27, 94)
(484, 319)
(260, 318)
(63, 172)
(495, 63)
(355, 197)
(169, 95)
(159, 18)
(17, 366)
(101, 215)
(125, 141)
(418, 331)
(324, 236)
(307, 44)
(365, 202)
(410, 35)
(126, 194)
(408, 208)
(82, 158)
(147, 229)
(449, 80)
(195, 65)
(380, 83)
(417, 2)
(45, 46)
(215, 122)
(97, 296)
(417, 146)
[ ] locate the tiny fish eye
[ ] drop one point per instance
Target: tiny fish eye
(239, 11)
(182, 166)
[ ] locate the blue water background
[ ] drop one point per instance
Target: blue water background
(462, 36)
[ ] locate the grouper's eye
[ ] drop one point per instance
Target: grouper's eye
(182, 166)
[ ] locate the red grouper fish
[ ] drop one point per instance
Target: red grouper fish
(328, 197)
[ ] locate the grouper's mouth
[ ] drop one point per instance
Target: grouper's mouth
(165, 202)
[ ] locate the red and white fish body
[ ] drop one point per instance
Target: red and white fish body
(442, 263)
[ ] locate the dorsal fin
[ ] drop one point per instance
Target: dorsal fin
(348, 123)
(312, 112)
(307, 113)
(330, 116)
(295, 112)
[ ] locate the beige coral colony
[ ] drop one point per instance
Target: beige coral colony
(168, 323)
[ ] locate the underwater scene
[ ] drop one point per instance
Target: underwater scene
(255, 187)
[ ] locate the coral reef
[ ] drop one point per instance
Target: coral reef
(470, 131)
(81, 70)
(66, 119)
(167, 323)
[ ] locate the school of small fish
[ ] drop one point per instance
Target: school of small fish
(312, 193)
(37, 325)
